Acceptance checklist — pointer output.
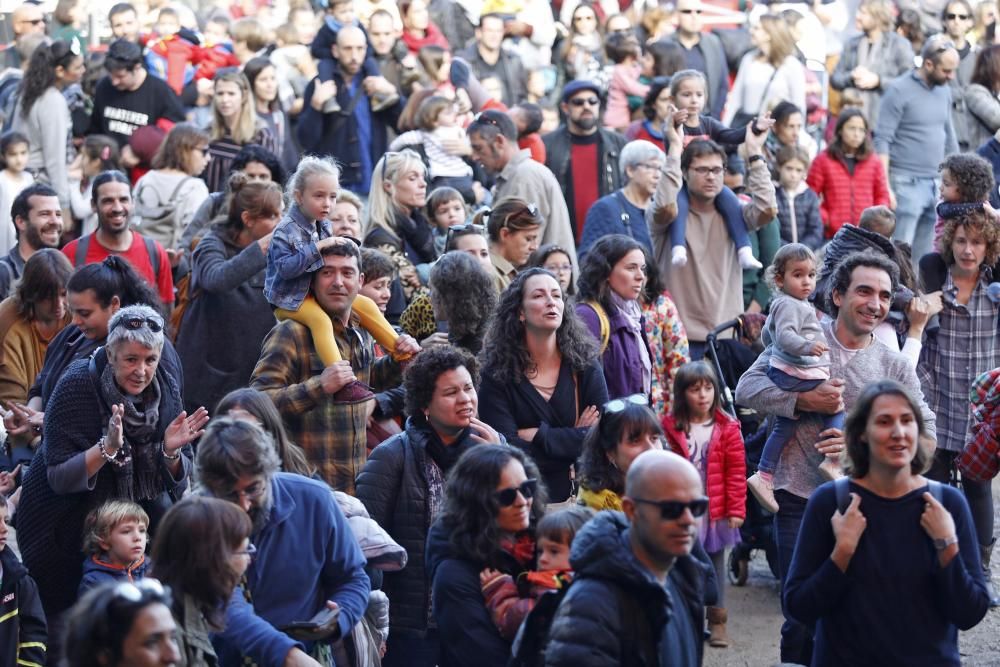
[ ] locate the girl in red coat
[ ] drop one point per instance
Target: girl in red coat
(848, 176)
(699, 430)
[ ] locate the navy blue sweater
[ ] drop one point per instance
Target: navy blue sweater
(895, 605)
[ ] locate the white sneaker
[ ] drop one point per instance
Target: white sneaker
(830, 468)
(747, 260)
(763, 490)
(679, 255)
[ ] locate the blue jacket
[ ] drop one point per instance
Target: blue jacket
(292, 257)
(613, 214)
(306, 555)
(97, 572)
(990, 151)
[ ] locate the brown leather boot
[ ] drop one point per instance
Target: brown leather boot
(717, 618)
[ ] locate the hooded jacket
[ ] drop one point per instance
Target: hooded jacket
(23, 631)
(97, 572)
(588, 628)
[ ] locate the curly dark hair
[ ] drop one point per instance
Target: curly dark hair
(465, 295)
(842, 274)
(976, 220)
(596, 471)
(972, 175)
(421, 376)
(601, 259)
(470, 502)
(505, 356)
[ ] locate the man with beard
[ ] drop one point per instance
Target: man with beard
(38, 224)
(332, 433)
(307, 559)
(913, 135)
(583, 156)
(638, 594)
(493, 137)
(862, 287)
(112, 201)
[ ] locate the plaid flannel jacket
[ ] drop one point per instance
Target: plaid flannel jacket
(332, 434)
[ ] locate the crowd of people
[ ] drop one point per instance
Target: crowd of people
(359, 332)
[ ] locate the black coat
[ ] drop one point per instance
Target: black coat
(559, 148)
(394, 488)
(23, 630)
(587, 628)
(509, 406)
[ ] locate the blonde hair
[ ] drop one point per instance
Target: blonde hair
(782, 42)
(349, 197)
(382, 207)
(247, 123)
(102, 520)
(309, 166)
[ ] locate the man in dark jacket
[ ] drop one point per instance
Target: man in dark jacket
(638, 595)
(703, 52)
(582, 155)
(355, 135)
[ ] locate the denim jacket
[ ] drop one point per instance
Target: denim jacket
(292, 258)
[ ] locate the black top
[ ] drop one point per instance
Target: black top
(119, 113)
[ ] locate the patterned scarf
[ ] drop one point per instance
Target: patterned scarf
(140, 478)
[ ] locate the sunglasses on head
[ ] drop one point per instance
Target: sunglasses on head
(620, 404)
(673, 509)
(507, 497)
(135, 591)
(135, 323)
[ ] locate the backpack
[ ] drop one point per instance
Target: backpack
(83, 244)
(528, 649)
(605, 323)
(842, 489)
(163, 215)
(183, 296)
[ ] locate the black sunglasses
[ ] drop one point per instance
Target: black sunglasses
(952, 17)
(673, 509)
(689, 11)
(135, 323)
(507, 497)
(581, 101)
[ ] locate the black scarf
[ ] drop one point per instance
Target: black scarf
(140, 478)
(445, 456)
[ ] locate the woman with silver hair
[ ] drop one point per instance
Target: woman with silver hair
(114, 428)
(624, 211)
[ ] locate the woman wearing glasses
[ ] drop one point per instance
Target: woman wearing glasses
(42, 114)
(114, 428)
(201, 551)
(514, 228)
(612, 278)
(403, 483)
(886, 565)
(492, 502)
(542, 381)
(123, 625)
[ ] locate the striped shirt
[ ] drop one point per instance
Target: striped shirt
(966, 345)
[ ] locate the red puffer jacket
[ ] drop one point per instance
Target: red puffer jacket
(726, 480)
(844, 195)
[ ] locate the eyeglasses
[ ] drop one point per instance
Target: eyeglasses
(960, 17)
(136, 323)
(696, 12)
(673, 509)
(707, 171)
(507, 497)
(584, 101)
(620, 404)
(252, 492)
(559, 268)
(135, 591)
(250, 551)
(654, 166)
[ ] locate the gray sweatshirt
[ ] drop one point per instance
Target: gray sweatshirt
(797, 472)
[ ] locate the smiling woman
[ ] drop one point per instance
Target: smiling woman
(114, 428)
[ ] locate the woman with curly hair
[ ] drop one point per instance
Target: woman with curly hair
(42, 113)
(542, 381)
(402, 486)
(966, 345)
(201, 551)
(612, 278)
(459, 306)
(492, 502)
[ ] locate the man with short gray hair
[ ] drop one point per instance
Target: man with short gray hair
(307, 559)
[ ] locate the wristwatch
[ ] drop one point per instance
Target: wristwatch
(942, 544)
(754, 158)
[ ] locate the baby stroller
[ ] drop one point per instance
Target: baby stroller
(731, 355)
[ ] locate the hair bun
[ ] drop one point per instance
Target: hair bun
(237, 181)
